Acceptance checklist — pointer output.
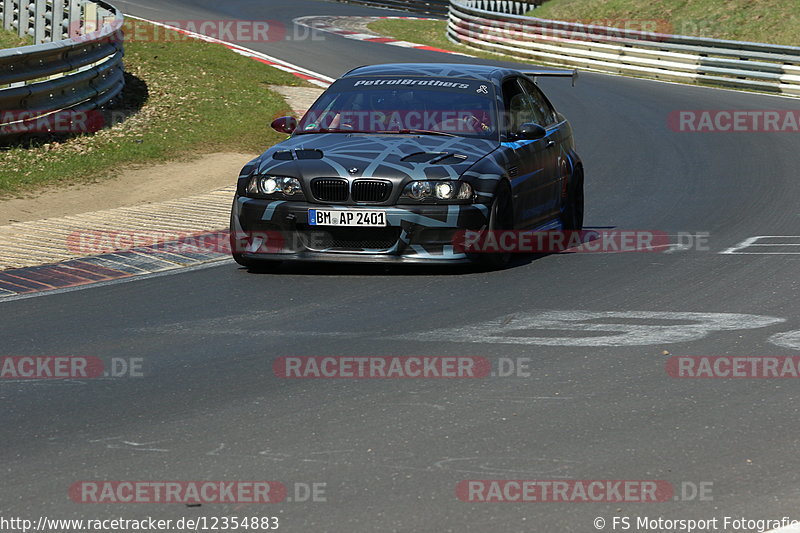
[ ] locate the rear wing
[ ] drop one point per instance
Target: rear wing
(553, 73)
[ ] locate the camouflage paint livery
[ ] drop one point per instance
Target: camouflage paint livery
(415, 232)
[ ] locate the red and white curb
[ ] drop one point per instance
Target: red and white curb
(329, 24)
(308, 75)
(102, 246)
(193, 251)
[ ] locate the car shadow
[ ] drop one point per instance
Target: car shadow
(300, 268)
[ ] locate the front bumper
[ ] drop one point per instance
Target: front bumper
(279, 230)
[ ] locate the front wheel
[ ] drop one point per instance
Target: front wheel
(572, 210)
(501, 218)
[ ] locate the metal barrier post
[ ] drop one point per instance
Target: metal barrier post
(39, 21)
(24, 17)
(8, 14)
(57, 23)
(74, 20)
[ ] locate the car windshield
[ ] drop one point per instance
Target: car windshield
(396, 105)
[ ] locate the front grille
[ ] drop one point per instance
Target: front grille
(348, 239)
(329, 189)
(371, 190)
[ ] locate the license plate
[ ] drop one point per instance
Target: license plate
(346, 217)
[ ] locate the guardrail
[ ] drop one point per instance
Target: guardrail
(441, 7)
(76, 64)
(742, 65)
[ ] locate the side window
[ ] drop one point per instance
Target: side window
(541, 106)
(518, 108)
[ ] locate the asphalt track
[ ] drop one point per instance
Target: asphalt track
(392, 451)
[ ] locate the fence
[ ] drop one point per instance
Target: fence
(75, 63)
(742, 65)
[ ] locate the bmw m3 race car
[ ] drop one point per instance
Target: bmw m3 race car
(393, 161)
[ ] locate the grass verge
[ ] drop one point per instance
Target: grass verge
(183, 97)
(10, 39)
(765, 21)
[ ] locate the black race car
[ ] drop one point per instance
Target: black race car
(393, 161)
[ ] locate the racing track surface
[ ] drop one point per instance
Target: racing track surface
(392, 451)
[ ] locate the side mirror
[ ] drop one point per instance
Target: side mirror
(530, 131)
(284, 124)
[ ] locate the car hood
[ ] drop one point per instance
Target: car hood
(392, 156)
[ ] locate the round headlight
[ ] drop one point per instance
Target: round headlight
(268, 185)
(444, 190)
(420, 189)
(290, 186)
(465, 193)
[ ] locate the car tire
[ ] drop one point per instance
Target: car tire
(501, 217)
(572, 210)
